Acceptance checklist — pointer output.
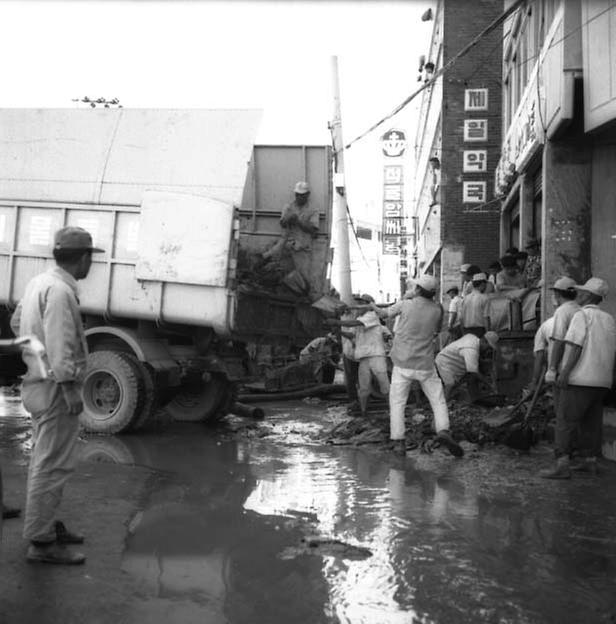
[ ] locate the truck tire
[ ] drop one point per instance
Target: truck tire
(147, 392)
(110, 393)
(206, 403)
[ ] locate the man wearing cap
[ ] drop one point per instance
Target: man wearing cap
(412, 354)
(565, 296)
(323, 352)
(583, 381)
(461, 358)
(532, 270)
(371, 338)
(300, 224)
(475, 308)
(509, 278)
(49, 310)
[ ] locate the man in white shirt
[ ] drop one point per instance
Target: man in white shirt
(412, 354)
(584, 379)
(461, 358)
(475, 309)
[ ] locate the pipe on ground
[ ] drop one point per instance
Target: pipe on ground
(320, 390)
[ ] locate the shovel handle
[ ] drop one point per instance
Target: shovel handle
(538, 389)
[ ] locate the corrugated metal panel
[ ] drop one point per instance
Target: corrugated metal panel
(111, 156)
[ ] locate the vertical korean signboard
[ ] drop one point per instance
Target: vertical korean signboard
(475, 160)
(394, 228)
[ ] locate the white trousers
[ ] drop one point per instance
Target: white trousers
(432, 387)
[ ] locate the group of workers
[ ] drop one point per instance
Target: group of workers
(574, 353)
(419, 319)
(576, 346)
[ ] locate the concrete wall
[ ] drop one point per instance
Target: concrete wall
(603, 239)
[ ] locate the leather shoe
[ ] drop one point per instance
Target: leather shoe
(64, 536)
(10, 512)
(54, 553)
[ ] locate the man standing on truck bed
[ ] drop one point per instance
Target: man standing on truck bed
(300, 224)
(49, 310)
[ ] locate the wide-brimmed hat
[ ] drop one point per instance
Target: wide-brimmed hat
(594, 285)
(480, 277)
(302, 188)
(452, 289)
(464, 268)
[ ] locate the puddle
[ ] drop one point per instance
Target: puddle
(386, 540)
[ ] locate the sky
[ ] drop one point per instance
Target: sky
(275, 56)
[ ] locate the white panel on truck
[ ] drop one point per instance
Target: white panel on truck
(184, 239)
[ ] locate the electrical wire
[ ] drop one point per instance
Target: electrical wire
(437, 74)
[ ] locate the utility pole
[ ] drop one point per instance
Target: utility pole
(340, 221)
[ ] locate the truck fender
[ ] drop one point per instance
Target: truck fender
(149, 350)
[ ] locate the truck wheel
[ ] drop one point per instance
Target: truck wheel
(147, 392)
(110, 393)
(199, 405)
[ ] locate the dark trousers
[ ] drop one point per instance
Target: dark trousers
(351, 377)
(579, 420)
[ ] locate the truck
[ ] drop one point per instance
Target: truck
(181, 306)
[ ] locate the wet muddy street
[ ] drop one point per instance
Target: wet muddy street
(188, 524)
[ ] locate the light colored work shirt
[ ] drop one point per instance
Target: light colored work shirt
(475, 310)
(370, 340)
(420, 320)
(562, 318)
(595, 331)
(458, 358)
(49, 310)
(454, 308)
(317, 349)
(543, 341)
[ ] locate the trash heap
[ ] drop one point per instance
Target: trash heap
(468, 421)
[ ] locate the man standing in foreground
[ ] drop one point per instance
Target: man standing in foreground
(412, 354)
(49, 310)
(583, 381)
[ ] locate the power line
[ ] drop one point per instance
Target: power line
(437, 74)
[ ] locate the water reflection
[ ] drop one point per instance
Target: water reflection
(449, 542)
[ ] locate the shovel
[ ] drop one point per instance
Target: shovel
(521, 436)
(505, 415)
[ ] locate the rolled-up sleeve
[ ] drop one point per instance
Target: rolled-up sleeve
(60, 336)
(471, 359)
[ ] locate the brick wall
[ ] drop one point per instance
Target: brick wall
(477, 233)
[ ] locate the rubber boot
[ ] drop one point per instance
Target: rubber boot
(561, 470)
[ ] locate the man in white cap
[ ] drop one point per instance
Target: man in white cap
(300, 224)
(49, 310)
(453, 313)
(475, 308)
(565, 296)
(461, 358)
(371, 339)
(584, 379)
(412, 354)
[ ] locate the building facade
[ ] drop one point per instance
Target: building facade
(458, 143)
(556, 171)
